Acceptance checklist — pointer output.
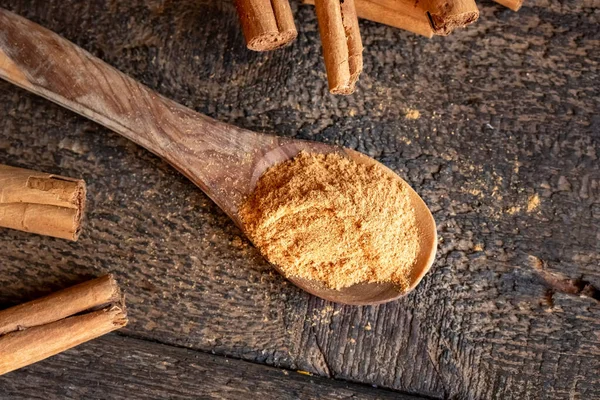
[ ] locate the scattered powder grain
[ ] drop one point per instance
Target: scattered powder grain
(328, 218)
(533, 203)
(412, 114)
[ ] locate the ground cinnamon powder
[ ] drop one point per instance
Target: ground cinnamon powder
(328, 218)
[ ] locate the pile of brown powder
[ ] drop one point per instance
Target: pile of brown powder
(328, 218)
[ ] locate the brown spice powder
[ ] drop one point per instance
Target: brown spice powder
(328, 218)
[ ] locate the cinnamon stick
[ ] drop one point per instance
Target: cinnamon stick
(403, 14)
(446, 15)
(425, 17)
(41, 328)
(21, 348)
(342, 45)
(97, 292)
(514, 5)
(267, 24)
(41, 203)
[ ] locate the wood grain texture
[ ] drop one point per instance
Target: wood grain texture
(115, 367)
(505, 149)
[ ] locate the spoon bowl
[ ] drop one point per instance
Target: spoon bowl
(366, 292)
(223, 160)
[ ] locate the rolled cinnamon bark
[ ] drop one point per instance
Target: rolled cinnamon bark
(342, 45)
(95, 293)
(21, 348)
(41, 203)
(404, 14)
(267, 24)
(514, 5)
(447, 15)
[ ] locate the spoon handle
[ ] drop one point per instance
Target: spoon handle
(207, 151)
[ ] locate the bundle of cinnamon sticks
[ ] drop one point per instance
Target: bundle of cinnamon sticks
(269, 24)
(42, 328)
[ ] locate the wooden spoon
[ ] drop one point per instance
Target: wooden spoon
(223, 160)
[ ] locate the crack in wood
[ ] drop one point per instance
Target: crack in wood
(558, 283)
(328, 369)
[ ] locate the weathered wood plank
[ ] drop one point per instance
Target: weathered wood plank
(116, 367)
(505, 151)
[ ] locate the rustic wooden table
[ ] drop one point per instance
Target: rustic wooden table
(496, 127)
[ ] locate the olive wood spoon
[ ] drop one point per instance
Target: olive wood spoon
(223, 160)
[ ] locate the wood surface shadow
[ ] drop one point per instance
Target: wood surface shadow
(22, 289)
